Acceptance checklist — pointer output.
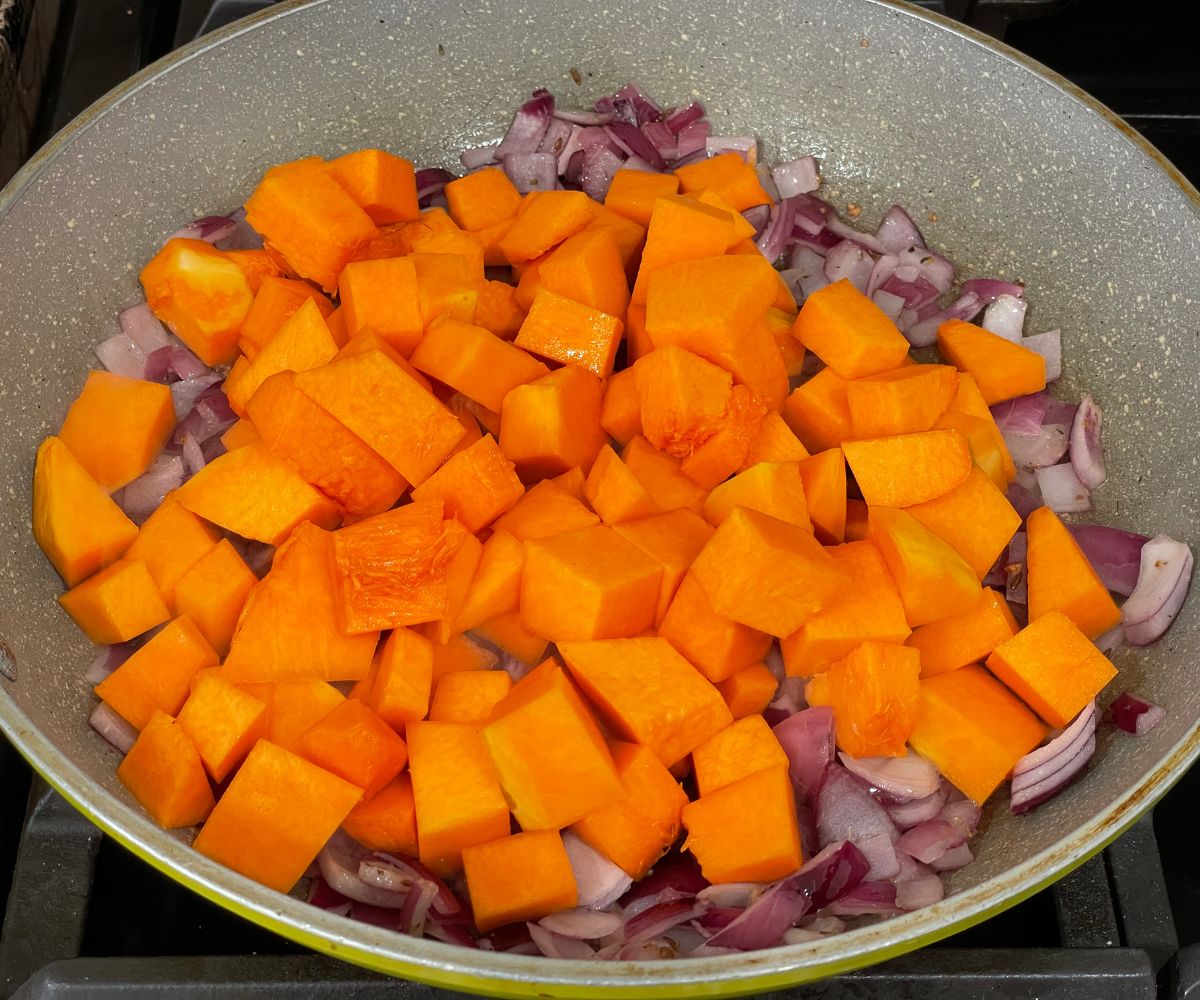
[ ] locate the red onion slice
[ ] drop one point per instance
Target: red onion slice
(919, 891)
(558, 945)
(1049, 346)
(578, 116)
(880, 854)
(954, 859)
(805, 271)
(558, 134)
(1115, 555)
(598, 881)
(1087, 449)
(1005, 317)
(1164, 576)
(908, 814)
(479, 156)
(681, 118)
(772, 242)
(897, 232)
(846, 812)
(1041, 448)
(1046, 771)
(1112, 640)
(807, 739)
(528, 126)
(185, 392)
(1135, 715)
(631, 141)
(141, 325)
(902, 778)
(730, 894)
(927, 842)
(582, 924)
(142, 497)
(121, 356)
(532, 171)
(990, 289)
(693, 142)
(961, 813)
(1016, 585)
(746, 146)
(868, 898)
(799, 176)
(657, 920)
(1062, 490)
(848, 260)
(924, 333)
(119, 733)
(209, 228)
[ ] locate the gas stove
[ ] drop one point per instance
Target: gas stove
(84, 919)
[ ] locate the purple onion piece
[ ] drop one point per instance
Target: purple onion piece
(807, 739)
(902, 778)
(1062, 490)
(599, 883)
(478, 156)
(1164, 576)
(558, 945)
(745, 146)
(1049, 346)
(693, 141)
(929, 841)
(924, 333)
(662, 139)
(209, 228)
(143, 327)
(681, 118)
(1016, 588)
(1043, 773)
(799, 176)
(775, 235)
(848, 260)
(868, 898)
(1087, 448)
(1115, 555)
(990, 289)
(142, 497)
(576, 116)
(558, 134)
(528, 126)
(115, 730)
(897, 232)
(1005, 317)
(121, 355)
(597, 170)
(1135, 715)
(532, 171)
(633, 143)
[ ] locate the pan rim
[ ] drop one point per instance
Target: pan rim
(500, 974)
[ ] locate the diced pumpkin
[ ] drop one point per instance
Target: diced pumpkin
(824, 478)
(117, 603)
(388, 820)
(868, 609)
(482, 198)
(170, 542)
(621, 410)
(496, 586)
(553, 424)
(276, 815)
(544, 220)
(306, 215)
(497, 310)
(201, 295)
(969, 401)
(1053, 666)
(633, 193)
(629, 235)
(382, 296)
(742, 748)
(746, 831)
(158, 676)
(965, 638)
(662, 476)
(728, 175)
(242, 433)
(254, 494)
(979, 437)
(257, 266)
(818, 411)
(680, 229)
(369, 340)
(476, 486)
(725, 452)
(383, 185)
(849, 332)
(212, 593)
(571, 333)
(357, 745)
(459, 653)
(1002, 369)
(639, 827)
(468, 695)
(587, 268)
(766, 573)
(637, 342)
(546, 509)
(648, 693)
(289, 628)
(973, 730)
(1060, 578)
(508, 632)
(907, 469)
(275, 302)
(524, 876)
(552, 759)
(573, 481)
(116, 426)
(399, 686)
(475, 362)
(614, 492)
(682, 399)
(388, 409)
(223, 722)
(79, 528)
(975, 518)
(873, 692)
(933, 580)
(904, 401)
(673, 540)
(715, 645)
(588, 584)
(457, 793)
(322, 449)
(162, 770)
(770, 488)
(294, 707)
(748, 691)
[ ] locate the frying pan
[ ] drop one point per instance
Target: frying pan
(1028, 178)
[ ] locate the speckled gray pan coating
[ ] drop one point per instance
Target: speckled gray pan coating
(1027, 180)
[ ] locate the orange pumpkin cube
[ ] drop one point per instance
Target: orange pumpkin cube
(614, 492)
(648, 693)
(742, 748)
(355, 744)
(908, 469)
(496, 586)
(521, 877)
(497, 310)
(680, 229)
(746, 831)
(398, 689)
(274, 303)
(276, 815)
(682, 398)
(388, 820)
(774, 442)
(1002, 369)
(544, 220)
(481, 199)
(725, 452)
(508, 632)
(824, 478)
(673, 540)
(448, 283)
(223, 722)
(570, 333)
(818, 413)
(728, 175)
(662, 476)
(748, 691)
(293, 707)
(456, 790)
(117, 603)
(213, 592)
(588, 584)
(468, 695)
(79, 528)
(621, 410)
(715, 645)
(639, 827)
(1061, 578)
(553, 424)
(969, 401)
(158, 676)
(633, 193)
(476, 485)
(588, 269)
(770, 488)
(475, 362)
(383, 185)
(459, 653)
(906, 400)
(953, 642)
(163, 772)
(849, 332)
(170, 542)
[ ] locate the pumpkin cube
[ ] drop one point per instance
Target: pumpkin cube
(476, 485)
(116, 604)
(742, 748)
(748, 691)
(552, 424)
(953, 642)
(521, 877)
(468, 695)
(398, 689)
(1062, 579)
(388, 820)
(163, 772)
(673, 540)
(223, 722)
(715, 645)
(383, 185)
(355, 744)
(213, 592)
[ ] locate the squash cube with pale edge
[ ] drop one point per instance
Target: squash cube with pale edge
(276, 815)
(213, 592)
(641, 825)
(116, 604)
(162, 770)
(748, 691)
(746, 831)
(554, 764)
(740, 749)
(973, 729)
(400, 682)
(552, 424)
(1053, 666)
(1003, 369)
(589, 584)
(648, 693)
(477, 485)
(475, 361)
(387, 821)
(468, 695)
(521, 877)
(381, 296)
(354, 743)
(776, 489)
(975, 519)
(615, 492)
(766, 573)
(457, 793)
(171, 541)
(907, 469)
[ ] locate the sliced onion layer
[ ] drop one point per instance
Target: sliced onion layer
(902, 778)
(1043, 773)
(1164, 576)
(1087, 449)
(1062, 490)
(1115, 555)
(807, 739)
(1135, 715)
(598, 882)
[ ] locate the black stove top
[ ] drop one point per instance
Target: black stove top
(85, 920)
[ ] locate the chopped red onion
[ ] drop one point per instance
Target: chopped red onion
(1043, 773)
(1022, 414)
(880, 853)
(681, 118)
(637, 163)
(115, 730)
(1062, 490)
(929, 841)
(532, 171)
(121, 356)
(430, 182)
(846, 812)
(730, 894)
(805, 272)
(908, 814)
(1049, 346)
(961, 813)
(746, 146)
(142, 497)
(576, 116)
(890, 304)
(799, 176)
(807, 739)
(875, 897)
(1112, 640)
(599, 883)
(193, 456)
(1115, 555)
(897, 232)
(645, 108)
(693, 142)
(924, 333)
(476, 157)
(1135, 715)
(884, 271)
(174, 361)
(1016, 588)
(340, 860)
(662, 139)
(528, 127)
(774, 238)
(1087, 448)
(558, 945)
(599, 166)
(209, 228)
(675, 876)
(759, 215)
(919, 891)
(954, 859)
(558, 134)
(630, 139)
(141, 325)
(1164, 576)
(990, 289)
(185, 392)
(936, 269)
(582, 924)
(659, 919)
(848, 260)
(1059, 411)
(1005, 317)
(902, 778)
(243, 237)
